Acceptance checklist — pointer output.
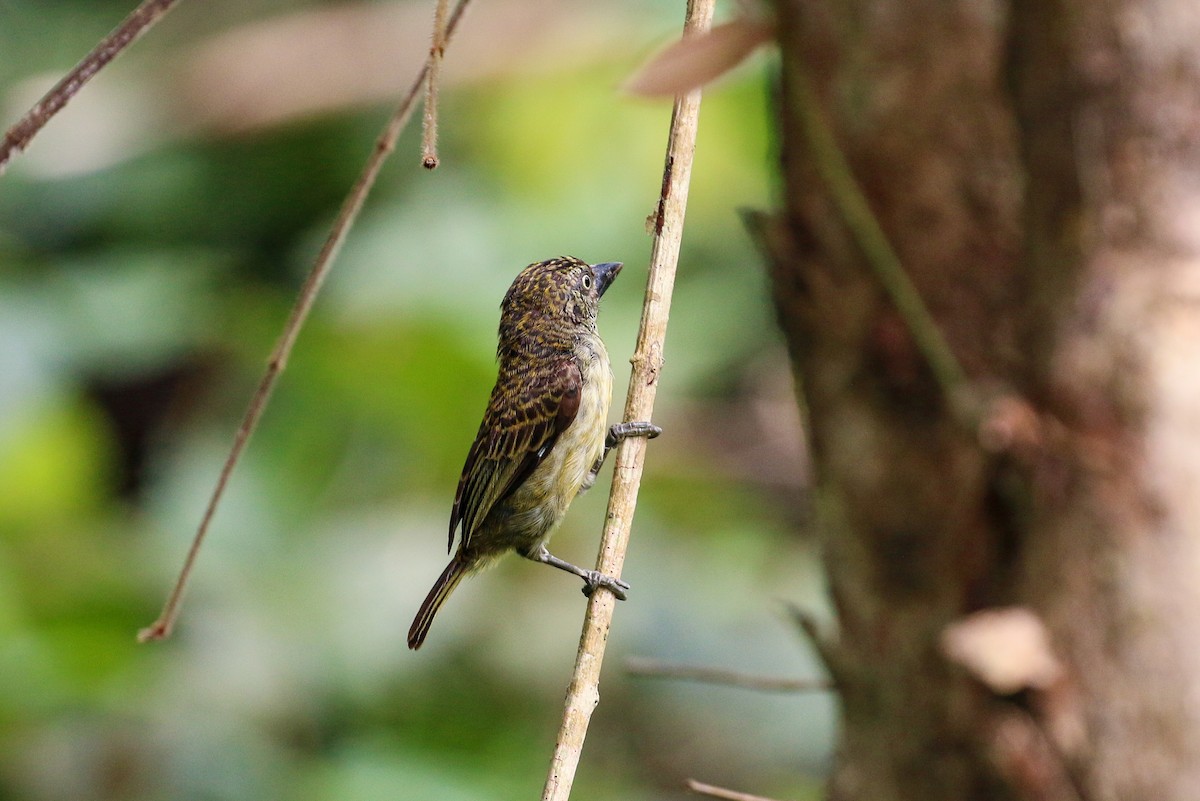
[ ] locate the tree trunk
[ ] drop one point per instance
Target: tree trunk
(1036, 167)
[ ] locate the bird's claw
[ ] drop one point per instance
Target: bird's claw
(595, 579)
(633, 428)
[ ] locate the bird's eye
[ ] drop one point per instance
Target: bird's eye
(587, 282)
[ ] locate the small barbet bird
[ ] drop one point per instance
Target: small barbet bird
(542, 440)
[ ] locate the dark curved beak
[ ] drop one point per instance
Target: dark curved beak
(606, 273)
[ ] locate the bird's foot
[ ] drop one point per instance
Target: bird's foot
(634, 428)
(594, 579)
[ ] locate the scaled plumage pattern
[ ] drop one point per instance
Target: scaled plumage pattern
(542, 439)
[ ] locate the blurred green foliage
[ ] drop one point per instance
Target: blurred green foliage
(143, 283)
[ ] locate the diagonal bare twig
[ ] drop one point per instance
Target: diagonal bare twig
(583, 692)
(384, 145)
(652, 668)
(720, 792)
(142, 18)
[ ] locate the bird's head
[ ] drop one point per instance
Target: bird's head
(562, 292)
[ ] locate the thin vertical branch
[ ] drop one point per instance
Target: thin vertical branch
(583, 693)
(384, 145)
(429, 155)
(17, 137)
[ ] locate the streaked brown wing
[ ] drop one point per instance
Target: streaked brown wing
(524, 418)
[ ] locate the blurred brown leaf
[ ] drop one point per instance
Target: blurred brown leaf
(1007, 649)
(696, 60)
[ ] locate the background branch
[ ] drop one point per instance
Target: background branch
(17, 137)
(384, 145)
(720, 792)
(851, 203)
(429, 156)
(652, 668)
(583, 693)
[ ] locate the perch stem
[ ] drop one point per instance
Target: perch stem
(583, 692)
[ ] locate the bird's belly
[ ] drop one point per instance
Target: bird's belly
(550, 488)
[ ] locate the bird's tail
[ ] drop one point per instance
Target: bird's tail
(454, 573)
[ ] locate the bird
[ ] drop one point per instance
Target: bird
(543, 437)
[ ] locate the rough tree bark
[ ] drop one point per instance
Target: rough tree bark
(1036, 166)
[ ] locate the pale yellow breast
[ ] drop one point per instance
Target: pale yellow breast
(558, 479)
